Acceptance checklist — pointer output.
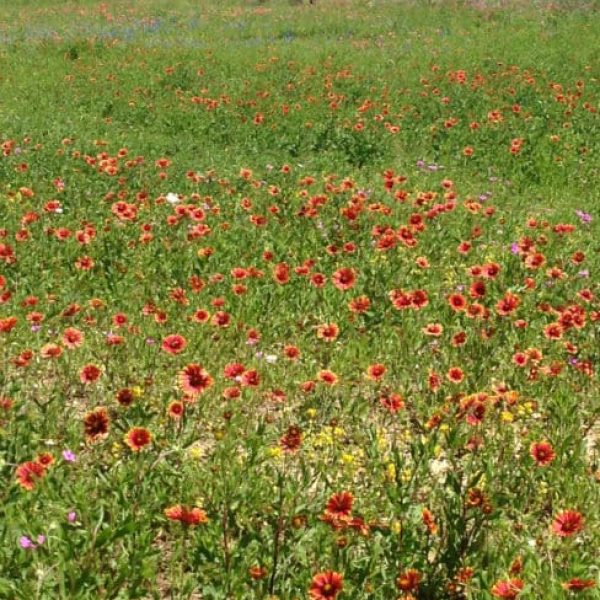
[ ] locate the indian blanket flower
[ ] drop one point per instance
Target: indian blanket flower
(326, 585)
(542, 453)
(392, 402)
(194, 380)
(174, 344)
(375, 372)
(328, 377)
(340, 504)
(137, 437)
(567, 523)
(292, 439)
(29, 473)
(507, 589)
(328, 332)
(96, 424)
(89, 374)
(72, 338)
(344, 278)
(409, 580)
(577, 584)
(188, 516)
(45, 459)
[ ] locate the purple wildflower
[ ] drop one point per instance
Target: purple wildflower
(69, 456)
(26, 543)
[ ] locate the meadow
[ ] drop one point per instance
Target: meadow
(299, 302)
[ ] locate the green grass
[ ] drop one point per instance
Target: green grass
(355, 127)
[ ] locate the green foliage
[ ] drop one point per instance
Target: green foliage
(298, 192)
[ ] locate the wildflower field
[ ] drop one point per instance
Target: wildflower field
(299, 301)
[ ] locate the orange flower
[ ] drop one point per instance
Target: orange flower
(507, 589)
(325, 586)
(328, 332)
(72, 338)
(542, 453)
(340, 504)
(174, 344)
(7, 324)
(578, 585)
(137, 437)
(28, 474)
(457, 302)
(433, 329)
(192, 517)
(292, 440)
(45, 459)
(393, 402)
(567, 523)
(89, 374)
(455, 374)
(409, 580)
(194, 380)
(344, 278)
(175, 409)
(96, 424)
(327, 376)
(50, 351)
(375, 372)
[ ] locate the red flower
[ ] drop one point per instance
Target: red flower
(192, 517)
(542, 453)
(375, 372)
(89, 374)
(409, 580)
(174, 344)
(194, 380)
(340, 504)
(250, 378)
(176, 409)
(96, 424)
(360, 304)
(344, 278)
(326, 585)
(327, 376)
(567, 523)
(29, 473)
(433, 329)
(508, 589)
(233, 370)
(72, 338)
(291, 352)
(281, 273)
(125, 397)
(221, 319)
(318, 280)
(578, 585)
(7, 324)
(201, 316)
(455, 374)
(84, 263)
(257, 572)
(328, 332)
(138, 437)
(393, 402)
(292, 440)
(507, 304)
(45, 459)
(457, 302)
